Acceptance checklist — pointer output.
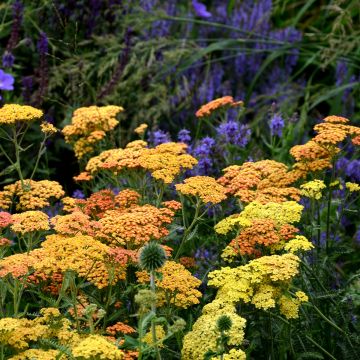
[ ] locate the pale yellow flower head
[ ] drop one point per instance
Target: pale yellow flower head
(11, 113)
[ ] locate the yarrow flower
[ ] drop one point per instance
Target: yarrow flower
(11, 113)
(209, 108)
(89, 125)
(48, 128)
(204, 187)
(313, 189)
(352, 187)
(176, 286)
(30, 221)
(140, 130)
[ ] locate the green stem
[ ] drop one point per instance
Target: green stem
(42, 146)
(320, 347)
(153, 309)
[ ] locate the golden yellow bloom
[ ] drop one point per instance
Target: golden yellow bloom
(30, 221)
(160, 334)
(48, 128)
(82, 254)
(11, 113)
(89, 125)
(39, 354)
(204, 187)
(313, 189)
(352, 186)
(176, 286)
(141, 129)
(204, 334)
(35, 194)
(96, 347)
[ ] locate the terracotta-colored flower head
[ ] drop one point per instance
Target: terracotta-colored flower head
(209, 108)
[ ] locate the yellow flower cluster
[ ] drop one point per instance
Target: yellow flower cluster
(31, 195)
(260, 181)
(30, 221)
(235, 354)
(89, 125)
(21, 334)
(352, 187)
(313, 189)
(204, 334)
(82, 254)
(160, 334)
(96, 347)
(141, 129)
(204, 187)
(299, 243)
(177, 286)
(289, 306)
(39, 354)
(11, 113)
(288, 212)
(231, 222)
(48, 128)
(262, 281)
(164, 162)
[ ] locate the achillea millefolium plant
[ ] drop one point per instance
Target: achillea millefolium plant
(159, 255)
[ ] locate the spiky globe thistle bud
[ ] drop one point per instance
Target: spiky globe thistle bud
(224, 323)
(152, 256)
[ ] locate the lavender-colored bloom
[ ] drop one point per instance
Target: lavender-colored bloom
(8, 59)
(234, 133)
(184, 136)
(27, 83)
(159, 137)
(357, 235)
(200, 9)
(203, 153)
(6, 81)
(78, 194)
(276, 125)
(353, 170)
(43, 44)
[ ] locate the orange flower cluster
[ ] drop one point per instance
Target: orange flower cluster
(204, 187)
(30, 221)
(101, 201)
(164, 162)
(76, 223)
(120, 328)
(123, 256)
(89, 125)
(317, 154)
(210, 107)
(135, 226)
(177, 286)
(261, 233)
(33, 195)
(17, 265)
(262, 181)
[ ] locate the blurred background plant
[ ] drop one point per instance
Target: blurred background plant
(161, 60)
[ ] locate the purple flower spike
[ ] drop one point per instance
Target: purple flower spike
(200, 9)
(8, 59)
(6, 81)
(276, 125)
